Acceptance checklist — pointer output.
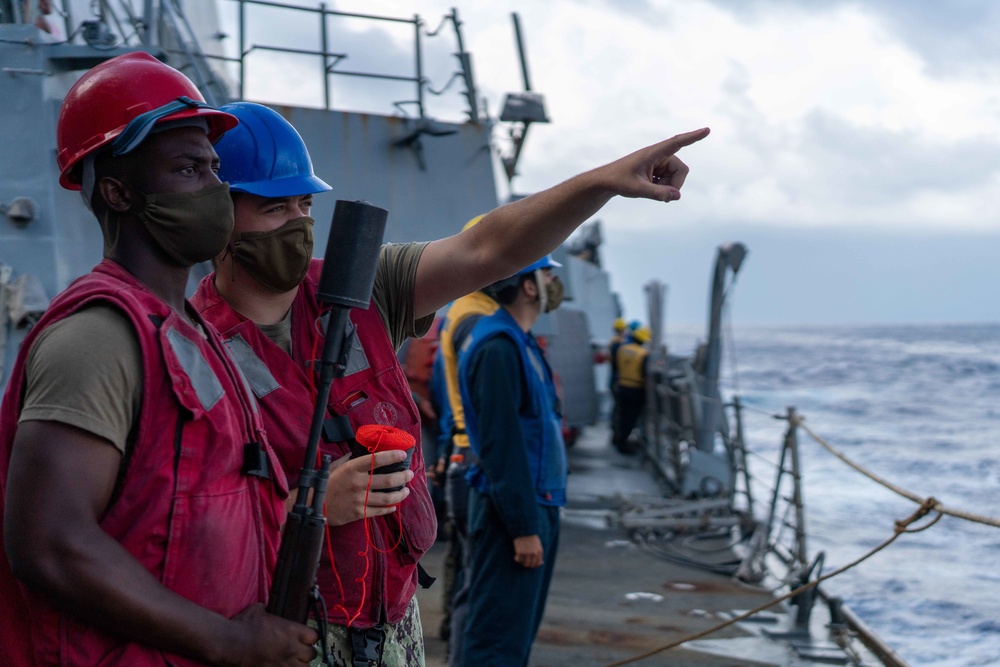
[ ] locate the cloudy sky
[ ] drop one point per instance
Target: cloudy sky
(855, 147)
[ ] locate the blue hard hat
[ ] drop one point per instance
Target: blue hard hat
(544, 263)
(264, 155)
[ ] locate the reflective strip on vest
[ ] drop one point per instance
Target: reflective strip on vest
(255, 371)
(206, 384)
(357, 360)
(377, 582)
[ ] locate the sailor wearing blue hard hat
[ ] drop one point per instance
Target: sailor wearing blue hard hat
(264, 155)
(267, 160)
(262, 299)
(549, 298)
(518, 475)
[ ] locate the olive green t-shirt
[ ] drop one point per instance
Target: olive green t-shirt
(395, 278)
(86, 370)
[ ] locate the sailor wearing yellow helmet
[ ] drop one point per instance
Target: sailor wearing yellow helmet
(630, 362)
(461, 316)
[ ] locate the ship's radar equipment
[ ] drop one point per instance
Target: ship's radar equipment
(526, 107)
(521, 109)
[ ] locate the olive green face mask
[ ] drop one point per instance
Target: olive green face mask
(551, 295)
(554, 292)
(190, 227)
(278, 259)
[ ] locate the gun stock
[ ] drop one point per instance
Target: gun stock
(298, 557)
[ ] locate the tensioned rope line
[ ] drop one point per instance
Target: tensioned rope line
(961, 514)
(901, 526)
(800, 422)
(766, 413)
(743, 406)
(957, 513)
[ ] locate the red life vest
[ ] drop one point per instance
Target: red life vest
(373, 390)
(183, 508)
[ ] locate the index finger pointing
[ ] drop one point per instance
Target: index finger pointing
(679, 141)
(688, 138)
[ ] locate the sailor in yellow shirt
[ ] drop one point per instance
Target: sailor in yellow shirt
(630, 362)
(461, 316)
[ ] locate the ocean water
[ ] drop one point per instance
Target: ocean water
(918, 405)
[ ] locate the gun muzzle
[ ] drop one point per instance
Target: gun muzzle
(352, 254)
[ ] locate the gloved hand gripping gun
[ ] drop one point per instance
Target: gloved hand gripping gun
(346, 282)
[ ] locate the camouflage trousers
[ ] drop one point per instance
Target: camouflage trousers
(403, 646)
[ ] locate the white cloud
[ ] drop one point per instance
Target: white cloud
(820, 118)
(825, 114)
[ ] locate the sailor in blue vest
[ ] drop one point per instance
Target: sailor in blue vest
(519, 482)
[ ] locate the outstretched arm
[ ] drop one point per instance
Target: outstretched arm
(515, 235)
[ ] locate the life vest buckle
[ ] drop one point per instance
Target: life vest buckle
(367, 645)
(255, 461)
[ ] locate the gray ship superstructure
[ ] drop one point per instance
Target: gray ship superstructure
(432, 175)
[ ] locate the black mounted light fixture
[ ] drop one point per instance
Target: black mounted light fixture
(417, 128)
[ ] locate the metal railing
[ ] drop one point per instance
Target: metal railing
(331, 59)
(163, 25)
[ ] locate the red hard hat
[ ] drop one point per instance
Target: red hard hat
(100, 106)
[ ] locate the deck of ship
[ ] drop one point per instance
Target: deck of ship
(590, 618)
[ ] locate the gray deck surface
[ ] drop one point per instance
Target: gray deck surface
(589, 620)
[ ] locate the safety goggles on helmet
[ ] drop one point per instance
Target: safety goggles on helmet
(139, 127)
